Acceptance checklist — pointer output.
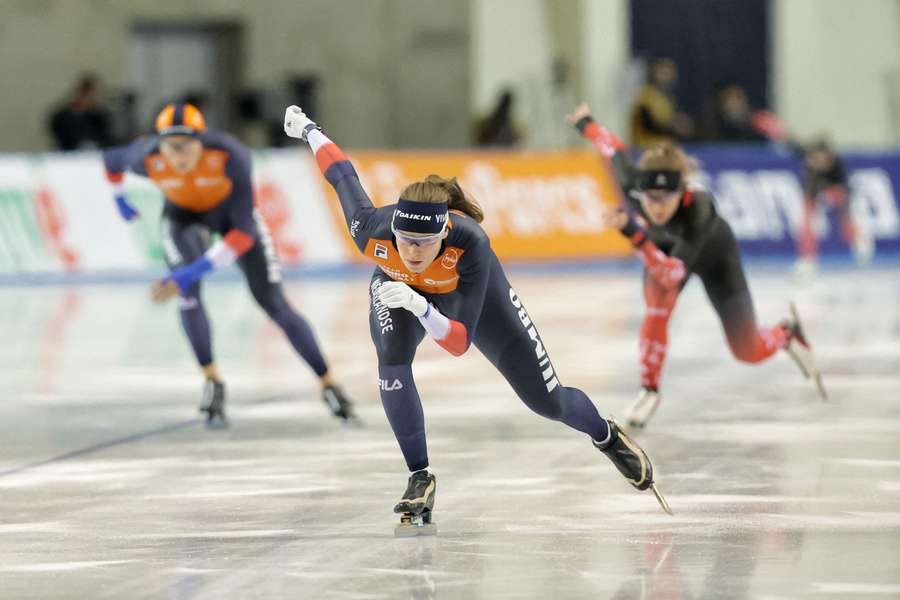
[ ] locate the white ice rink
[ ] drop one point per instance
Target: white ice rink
(110, 487)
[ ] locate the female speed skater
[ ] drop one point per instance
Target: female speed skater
(205, 176)
(436, 274)
(677, 232)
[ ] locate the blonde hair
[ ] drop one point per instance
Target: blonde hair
(435, 189)
(666, 156)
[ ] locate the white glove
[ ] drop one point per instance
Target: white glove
(395, 294)
(295, 122)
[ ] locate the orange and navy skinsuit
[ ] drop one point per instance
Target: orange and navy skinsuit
(215, 198)
(466, 283)
(696, 240)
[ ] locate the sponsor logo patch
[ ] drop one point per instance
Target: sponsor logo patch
(390, 386)
(381, 251)
(450, 258)
(543, 361)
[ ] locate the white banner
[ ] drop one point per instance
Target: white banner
(57, 215)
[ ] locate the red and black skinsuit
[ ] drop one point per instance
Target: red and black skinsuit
(696, 240)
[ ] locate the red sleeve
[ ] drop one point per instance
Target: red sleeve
(457, 340)
(238, 241)
(327, 155)
(605, 141)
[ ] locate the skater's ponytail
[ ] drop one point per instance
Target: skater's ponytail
(438, 190)
(666, 156)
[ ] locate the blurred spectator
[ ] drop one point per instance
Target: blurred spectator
(730, 118)
(83, 122)
(654, 114)
(498, 129)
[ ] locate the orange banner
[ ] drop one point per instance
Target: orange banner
(537, 205)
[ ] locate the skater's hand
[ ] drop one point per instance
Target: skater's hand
(296, 122)
(581, 111)
(126, 210)
(163, 289)
(395, 294)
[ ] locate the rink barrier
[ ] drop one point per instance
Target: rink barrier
(57, 215)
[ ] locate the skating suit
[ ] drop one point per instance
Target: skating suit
(703, 244)
(467, 284)
(215, 198)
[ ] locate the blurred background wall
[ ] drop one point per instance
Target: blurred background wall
(422, 73)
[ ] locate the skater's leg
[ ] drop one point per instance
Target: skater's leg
(396, 335)
(183, 244)
(807, 244)
(263, 274)
(522, 359)
(654, 337)
(729, 294)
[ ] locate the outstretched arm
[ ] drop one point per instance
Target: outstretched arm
(607, 144)
(116, 162)
(337, 169)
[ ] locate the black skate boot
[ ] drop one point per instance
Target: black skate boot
(339, 405)
(631, 461)
(415, 506)
(801, 351)
(214, 404)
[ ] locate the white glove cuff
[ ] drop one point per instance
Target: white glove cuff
(436, 324)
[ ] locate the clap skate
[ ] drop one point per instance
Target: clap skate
(631, 461)
(800, 350)
(639, 412)
(214, 404)
(339, 405)
(415, 506)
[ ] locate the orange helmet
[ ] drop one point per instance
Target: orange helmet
(180, 118)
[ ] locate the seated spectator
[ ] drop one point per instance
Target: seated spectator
(83, 122)
(654, 114)
(730, 118)
(498, 129)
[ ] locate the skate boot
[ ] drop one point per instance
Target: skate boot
(863, 249)
(214, 404)
(640, 411)
(801, 351)
(415, 506)
(339, 405)
(631, 461)
(806, 269)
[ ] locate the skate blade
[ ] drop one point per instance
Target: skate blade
(820, 387)
(353, 422)
(410, 530)
(217, 424)
(661, 499)
(214, 421)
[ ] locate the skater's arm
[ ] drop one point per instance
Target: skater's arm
(607, 144)
(449, 334)
(338, 170)
(474, 269)
(668, 271)
(116, 162)
(453, 335)
(239, 238)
